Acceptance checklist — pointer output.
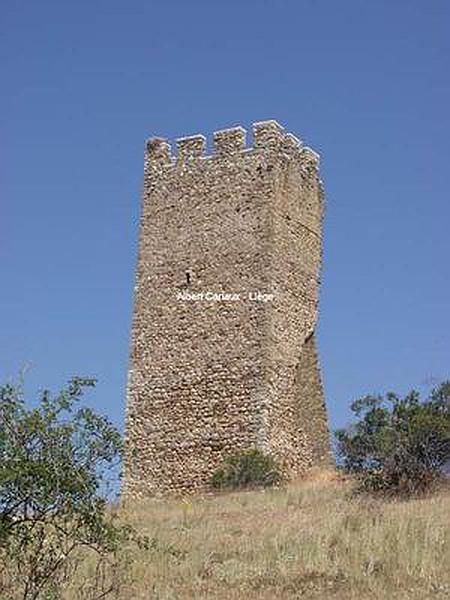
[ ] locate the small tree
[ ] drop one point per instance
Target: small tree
(54, 465)
(398, 445)
(248, 469)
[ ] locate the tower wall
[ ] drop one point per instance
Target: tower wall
(210, 377)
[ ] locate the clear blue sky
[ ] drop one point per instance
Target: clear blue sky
(84, 83)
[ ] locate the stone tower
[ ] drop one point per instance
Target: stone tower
(223, 350)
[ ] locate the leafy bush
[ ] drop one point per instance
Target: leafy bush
(55, 460)
(251, 468)
(398, 445)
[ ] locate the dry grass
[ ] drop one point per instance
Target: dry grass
(311, 540)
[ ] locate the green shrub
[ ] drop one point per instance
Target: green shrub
(248, 469)
(398, 446)
(55, 462)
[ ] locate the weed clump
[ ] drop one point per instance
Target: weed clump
(248, 469)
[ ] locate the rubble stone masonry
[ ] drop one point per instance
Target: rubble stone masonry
(223, 352)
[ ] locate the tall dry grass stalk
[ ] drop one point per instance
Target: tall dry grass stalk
(309, 540)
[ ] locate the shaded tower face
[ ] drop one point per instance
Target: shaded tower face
(223, 352)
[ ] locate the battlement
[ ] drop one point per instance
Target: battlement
(229, 141)
(268, 136)
(190, 147)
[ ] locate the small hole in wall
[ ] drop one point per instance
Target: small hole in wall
(188, 277)
(288, 218)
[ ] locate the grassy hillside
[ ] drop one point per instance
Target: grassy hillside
(309, 541)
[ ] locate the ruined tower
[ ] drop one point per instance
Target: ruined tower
(223, 350)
